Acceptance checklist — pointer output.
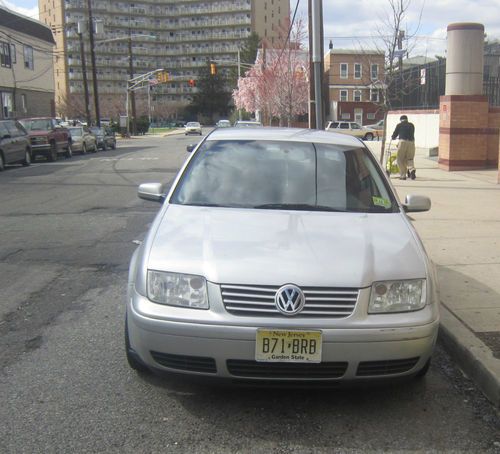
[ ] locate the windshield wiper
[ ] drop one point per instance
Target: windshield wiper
(296, 206)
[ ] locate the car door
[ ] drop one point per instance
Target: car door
(6, 142)
(17, 143)
(356, 130)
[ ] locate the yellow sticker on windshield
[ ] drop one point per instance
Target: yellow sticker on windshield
(381, 202)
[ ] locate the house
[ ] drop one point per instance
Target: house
(26, 66)
(354, 80)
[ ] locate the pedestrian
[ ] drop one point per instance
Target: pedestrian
(405, 131)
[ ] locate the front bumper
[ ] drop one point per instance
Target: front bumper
(224, 349)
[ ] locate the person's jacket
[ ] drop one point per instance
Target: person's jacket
(405, 131)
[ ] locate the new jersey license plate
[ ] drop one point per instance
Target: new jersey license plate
(288, 346)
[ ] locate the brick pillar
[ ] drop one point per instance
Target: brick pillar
(464, 132)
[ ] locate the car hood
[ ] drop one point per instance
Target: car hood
(270, 247)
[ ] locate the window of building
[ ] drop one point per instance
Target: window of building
(345, 116)
(374, 95)
(6, 104)
(5, 59)
(13, 55)
(344, 71)
(357, 71)
(343, 95)
(356, 95)
(24, 103)
(28, 58)
(374, 72)
(370, 116)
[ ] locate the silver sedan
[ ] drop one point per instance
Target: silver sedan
(281, 254)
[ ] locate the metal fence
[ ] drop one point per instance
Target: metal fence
(415, 89)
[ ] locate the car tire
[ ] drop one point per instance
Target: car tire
(2, 162)
(95, 148)
(84, 148)
(53, 152)
(69, 151)
(104, 146)
(368, 136)
(27, 157)
(132, 358)
(113, 145)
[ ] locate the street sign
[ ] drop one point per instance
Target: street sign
(422, 76)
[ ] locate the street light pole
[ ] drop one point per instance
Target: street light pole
(85, 81)
(92, 58)
(131, 75)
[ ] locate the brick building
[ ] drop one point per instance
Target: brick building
(355, 80)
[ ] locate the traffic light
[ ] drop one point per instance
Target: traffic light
(192, 83)
(162, 76)
(213, 69)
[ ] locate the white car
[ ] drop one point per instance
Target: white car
(193, 127)
(284, 255)
(352, 128)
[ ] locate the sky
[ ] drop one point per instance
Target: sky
(356, 24)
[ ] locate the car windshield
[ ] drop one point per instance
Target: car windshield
(284, 175)
(37, 125)
(99, 131)
(75, 131)
(192, 125)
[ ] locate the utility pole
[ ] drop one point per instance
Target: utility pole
(401, 35)
(92, 58)
(84, 73)
(131, 75)
(316, 61)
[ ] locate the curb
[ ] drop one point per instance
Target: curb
(471, 354)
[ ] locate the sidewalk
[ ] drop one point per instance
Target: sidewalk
(461, 233)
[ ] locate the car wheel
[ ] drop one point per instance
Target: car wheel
(69, 151)
(95, 148)
(104, 146)
(53, 152)
(113, 145)
(27, 157)
(132, 358)
(84, 148)
(368, 136)
(2, 162)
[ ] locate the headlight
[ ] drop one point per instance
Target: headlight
(174, 289)
(397, 296)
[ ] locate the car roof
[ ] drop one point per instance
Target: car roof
(284, 134)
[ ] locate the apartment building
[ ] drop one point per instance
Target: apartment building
(26, 66)
(179, 36)
(355, 79)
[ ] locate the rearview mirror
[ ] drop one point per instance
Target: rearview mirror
(151, 191)
(190, 148)
(414, 203)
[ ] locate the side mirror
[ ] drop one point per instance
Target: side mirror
(151, 191)
(414, 203)
(190, 148)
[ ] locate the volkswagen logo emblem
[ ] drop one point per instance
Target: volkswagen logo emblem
(289, 299)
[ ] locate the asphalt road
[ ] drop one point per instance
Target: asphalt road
(67, 231)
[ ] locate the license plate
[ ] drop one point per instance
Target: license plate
(288, 346)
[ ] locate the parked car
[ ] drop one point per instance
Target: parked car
(281, 254)
(352, 128)
(378, 127)
(223, 124)
(193, 127)
(105, 137)
(15, 146)
(247, 124)
(48, 137)
(82, 140)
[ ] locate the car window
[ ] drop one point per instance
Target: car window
(355, 126)
(344, 126)
(39, 124)
(75, 131)
(13, 129)
(3, 129)
(335, 124)
(295, 175)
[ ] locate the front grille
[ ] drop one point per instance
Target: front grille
(257, 300)
(245, 368)
(388, 367)
(184, 362)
